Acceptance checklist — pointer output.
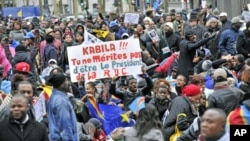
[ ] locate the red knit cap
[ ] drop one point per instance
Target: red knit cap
(191, 90)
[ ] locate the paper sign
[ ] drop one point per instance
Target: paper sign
(105, 60)
(165, 50)
(40, 108)
(203, 3)
(248, 6)
(131, 18)
(153, 35)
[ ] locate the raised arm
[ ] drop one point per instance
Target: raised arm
(114, 91)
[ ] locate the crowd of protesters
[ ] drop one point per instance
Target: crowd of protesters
(199, 85)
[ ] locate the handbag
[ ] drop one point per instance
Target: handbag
(177, 132)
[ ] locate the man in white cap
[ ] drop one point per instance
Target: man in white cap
(172, 38)
(225, 22)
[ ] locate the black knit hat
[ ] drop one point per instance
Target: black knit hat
(20, 48)
(189, 33)
(57, 79)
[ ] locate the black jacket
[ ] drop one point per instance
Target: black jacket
(226, 99)
(161, 106)
(127, 96)
(180, 104)
(173, 41)
(187, 53)
(31, 131)
(212, 45)
(245, 88)
(243, 43)
(192, 132)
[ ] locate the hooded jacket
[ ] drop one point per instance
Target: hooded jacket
(78, 25)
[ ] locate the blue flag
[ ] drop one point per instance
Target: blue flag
(115, 99)
(137, 105)
(113, 117)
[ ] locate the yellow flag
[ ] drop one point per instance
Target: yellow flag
(101, 33)
(19, 13)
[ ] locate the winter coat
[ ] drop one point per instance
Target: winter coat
(154, 134)
(226, 98)
(180, 104)
(245, 88)
(212, 45)
(173, 41)
(192, 132)
(18, 35)
(4, 61)
(82, 134)
(163, 105)
(243, 43)
(226, 25)
(61, 117)
(31, 131)
(64, 53)
(187, 53)
(49, 53)
(227, 41)
(198, 29)
(57, 44)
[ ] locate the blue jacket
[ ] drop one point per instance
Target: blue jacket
(119, 33)
(62, 119)
(49, 53)
(227, 41)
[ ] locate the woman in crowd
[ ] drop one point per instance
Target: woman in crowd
(91, 91)
(79, 38)
(68, 42)
(147, 127)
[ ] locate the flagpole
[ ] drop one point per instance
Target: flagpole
(75, 8)
(41, 9)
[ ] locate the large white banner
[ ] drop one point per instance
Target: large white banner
(105, 60)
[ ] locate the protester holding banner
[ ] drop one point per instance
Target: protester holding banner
(132, 92)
